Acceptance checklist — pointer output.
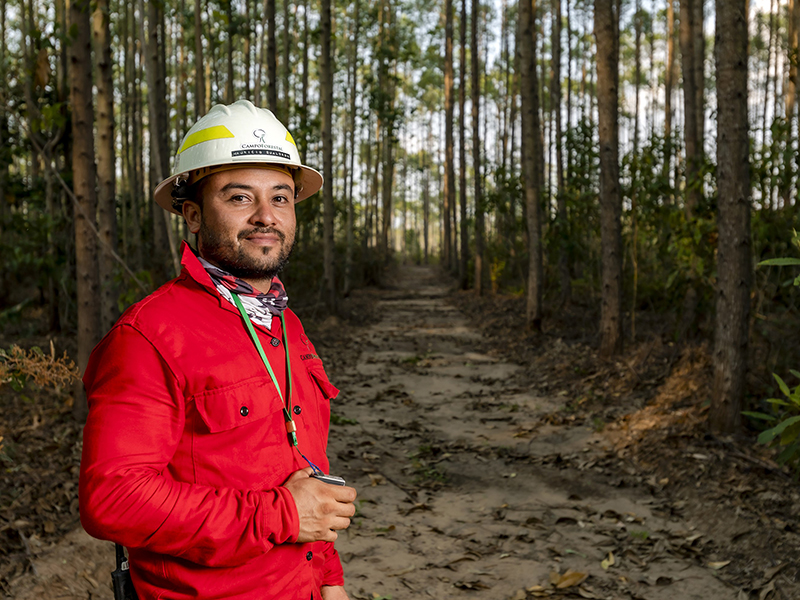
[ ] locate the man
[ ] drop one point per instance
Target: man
(208, 405)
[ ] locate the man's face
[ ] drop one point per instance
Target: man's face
(246, 225)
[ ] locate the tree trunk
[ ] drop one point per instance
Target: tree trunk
(286, 66)
(158, 128)
(562, 225)
(691, 109)
(304, 84)
(106, 162)
(449, 155)
(530, 159)
(84, 181)
(606, 29)
(229, 93)
(199, 69)
(669, 83)
(480, 268)
(326, 96)
(734, 250)
(351, 132)
(463, 276)
(272, 62)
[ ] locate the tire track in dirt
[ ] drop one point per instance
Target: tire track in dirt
(467, 489)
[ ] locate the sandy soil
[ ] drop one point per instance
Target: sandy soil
(466, 487)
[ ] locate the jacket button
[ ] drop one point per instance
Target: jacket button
(275, 342)
(297, 410)
(244, 411)
(309, 555)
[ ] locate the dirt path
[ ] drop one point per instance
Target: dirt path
(465, 490)
(466, 487)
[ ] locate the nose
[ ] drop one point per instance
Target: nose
(263, 214)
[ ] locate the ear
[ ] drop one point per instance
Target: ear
(193, 215)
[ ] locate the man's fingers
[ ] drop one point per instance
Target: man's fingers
(340, 523)
(344, 494)
(301, 474)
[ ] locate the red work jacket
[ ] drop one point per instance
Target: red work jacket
(185, 448)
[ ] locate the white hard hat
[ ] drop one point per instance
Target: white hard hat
(235, 136)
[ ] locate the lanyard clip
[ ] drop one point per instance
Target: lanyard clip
(291, 427)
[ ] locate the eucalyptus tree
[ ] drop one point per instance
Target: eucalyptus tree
(734, 263)
(84, 182)
(606, 27)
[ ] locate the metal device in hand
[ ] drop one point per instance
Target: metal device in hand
(121, 577)
(332, 479)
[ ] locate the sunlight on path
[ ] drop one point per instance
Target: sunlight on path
(465, 490)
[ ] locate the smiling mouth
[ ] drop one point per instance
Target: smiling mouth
(262, 236)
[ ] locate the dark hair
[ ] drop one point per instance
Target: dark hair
(182, 191)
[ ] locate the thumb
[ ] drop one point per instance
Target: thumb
(301, 474)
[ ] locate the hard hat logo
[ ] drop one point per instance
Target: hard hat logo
(219, 140)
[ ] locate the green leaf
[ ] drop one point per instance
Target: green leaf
(758, 415)
(778, 401)
(770, 434)
(784, 388)
(780, 262)
(788, 453)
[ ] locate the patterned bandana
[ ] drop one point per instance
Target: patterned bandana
(259, 306)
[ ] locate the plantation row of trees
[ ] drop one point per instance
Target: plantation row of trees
(601, 152)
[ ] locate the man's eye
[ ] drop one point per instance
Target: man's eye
(280, 200)
(240, 198)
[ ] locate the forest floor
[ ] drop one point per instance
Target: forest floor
(489, 462)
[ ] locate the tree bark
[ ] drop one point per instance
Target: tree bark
(286, 66)
(158, 128)
(351, 132)
(606, 29)
(530, 159)
(480, 268)
(84, 181)
(199, 69)
(691, 109)
(326, 94)
(463, 276)
(229, 93)
(669, 84)
(106, 162)
(562, 225)
(449, 155)
(272, 62)
(734, 250)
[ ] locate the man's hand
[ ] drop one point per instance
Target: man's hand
(322, 508)
(333, 592)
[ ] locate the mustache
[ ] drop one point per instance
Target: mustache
(264, 230)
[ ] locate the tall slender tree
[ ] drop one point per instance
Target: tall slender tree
(562, 226)
(606, 30)
(449, 156)
(326, 94)
(84, 182)
(475, 61)
(199, 68)
(272, 60)
(106, 163)
(463, 276)
(734, 250)
(531, 132)
(691, 109)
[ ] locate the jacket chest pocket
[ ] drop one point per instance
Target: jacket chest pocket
(239, 436)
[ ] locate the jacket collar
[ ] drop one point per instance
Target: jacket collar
(192, 267)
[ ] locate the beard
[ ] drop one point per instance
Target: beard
(232, 257)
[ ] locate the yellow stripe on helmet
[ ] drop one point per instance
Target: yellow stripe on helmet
(206, 135)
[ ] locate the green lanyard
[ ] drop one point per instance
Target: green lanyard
(291, 428)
